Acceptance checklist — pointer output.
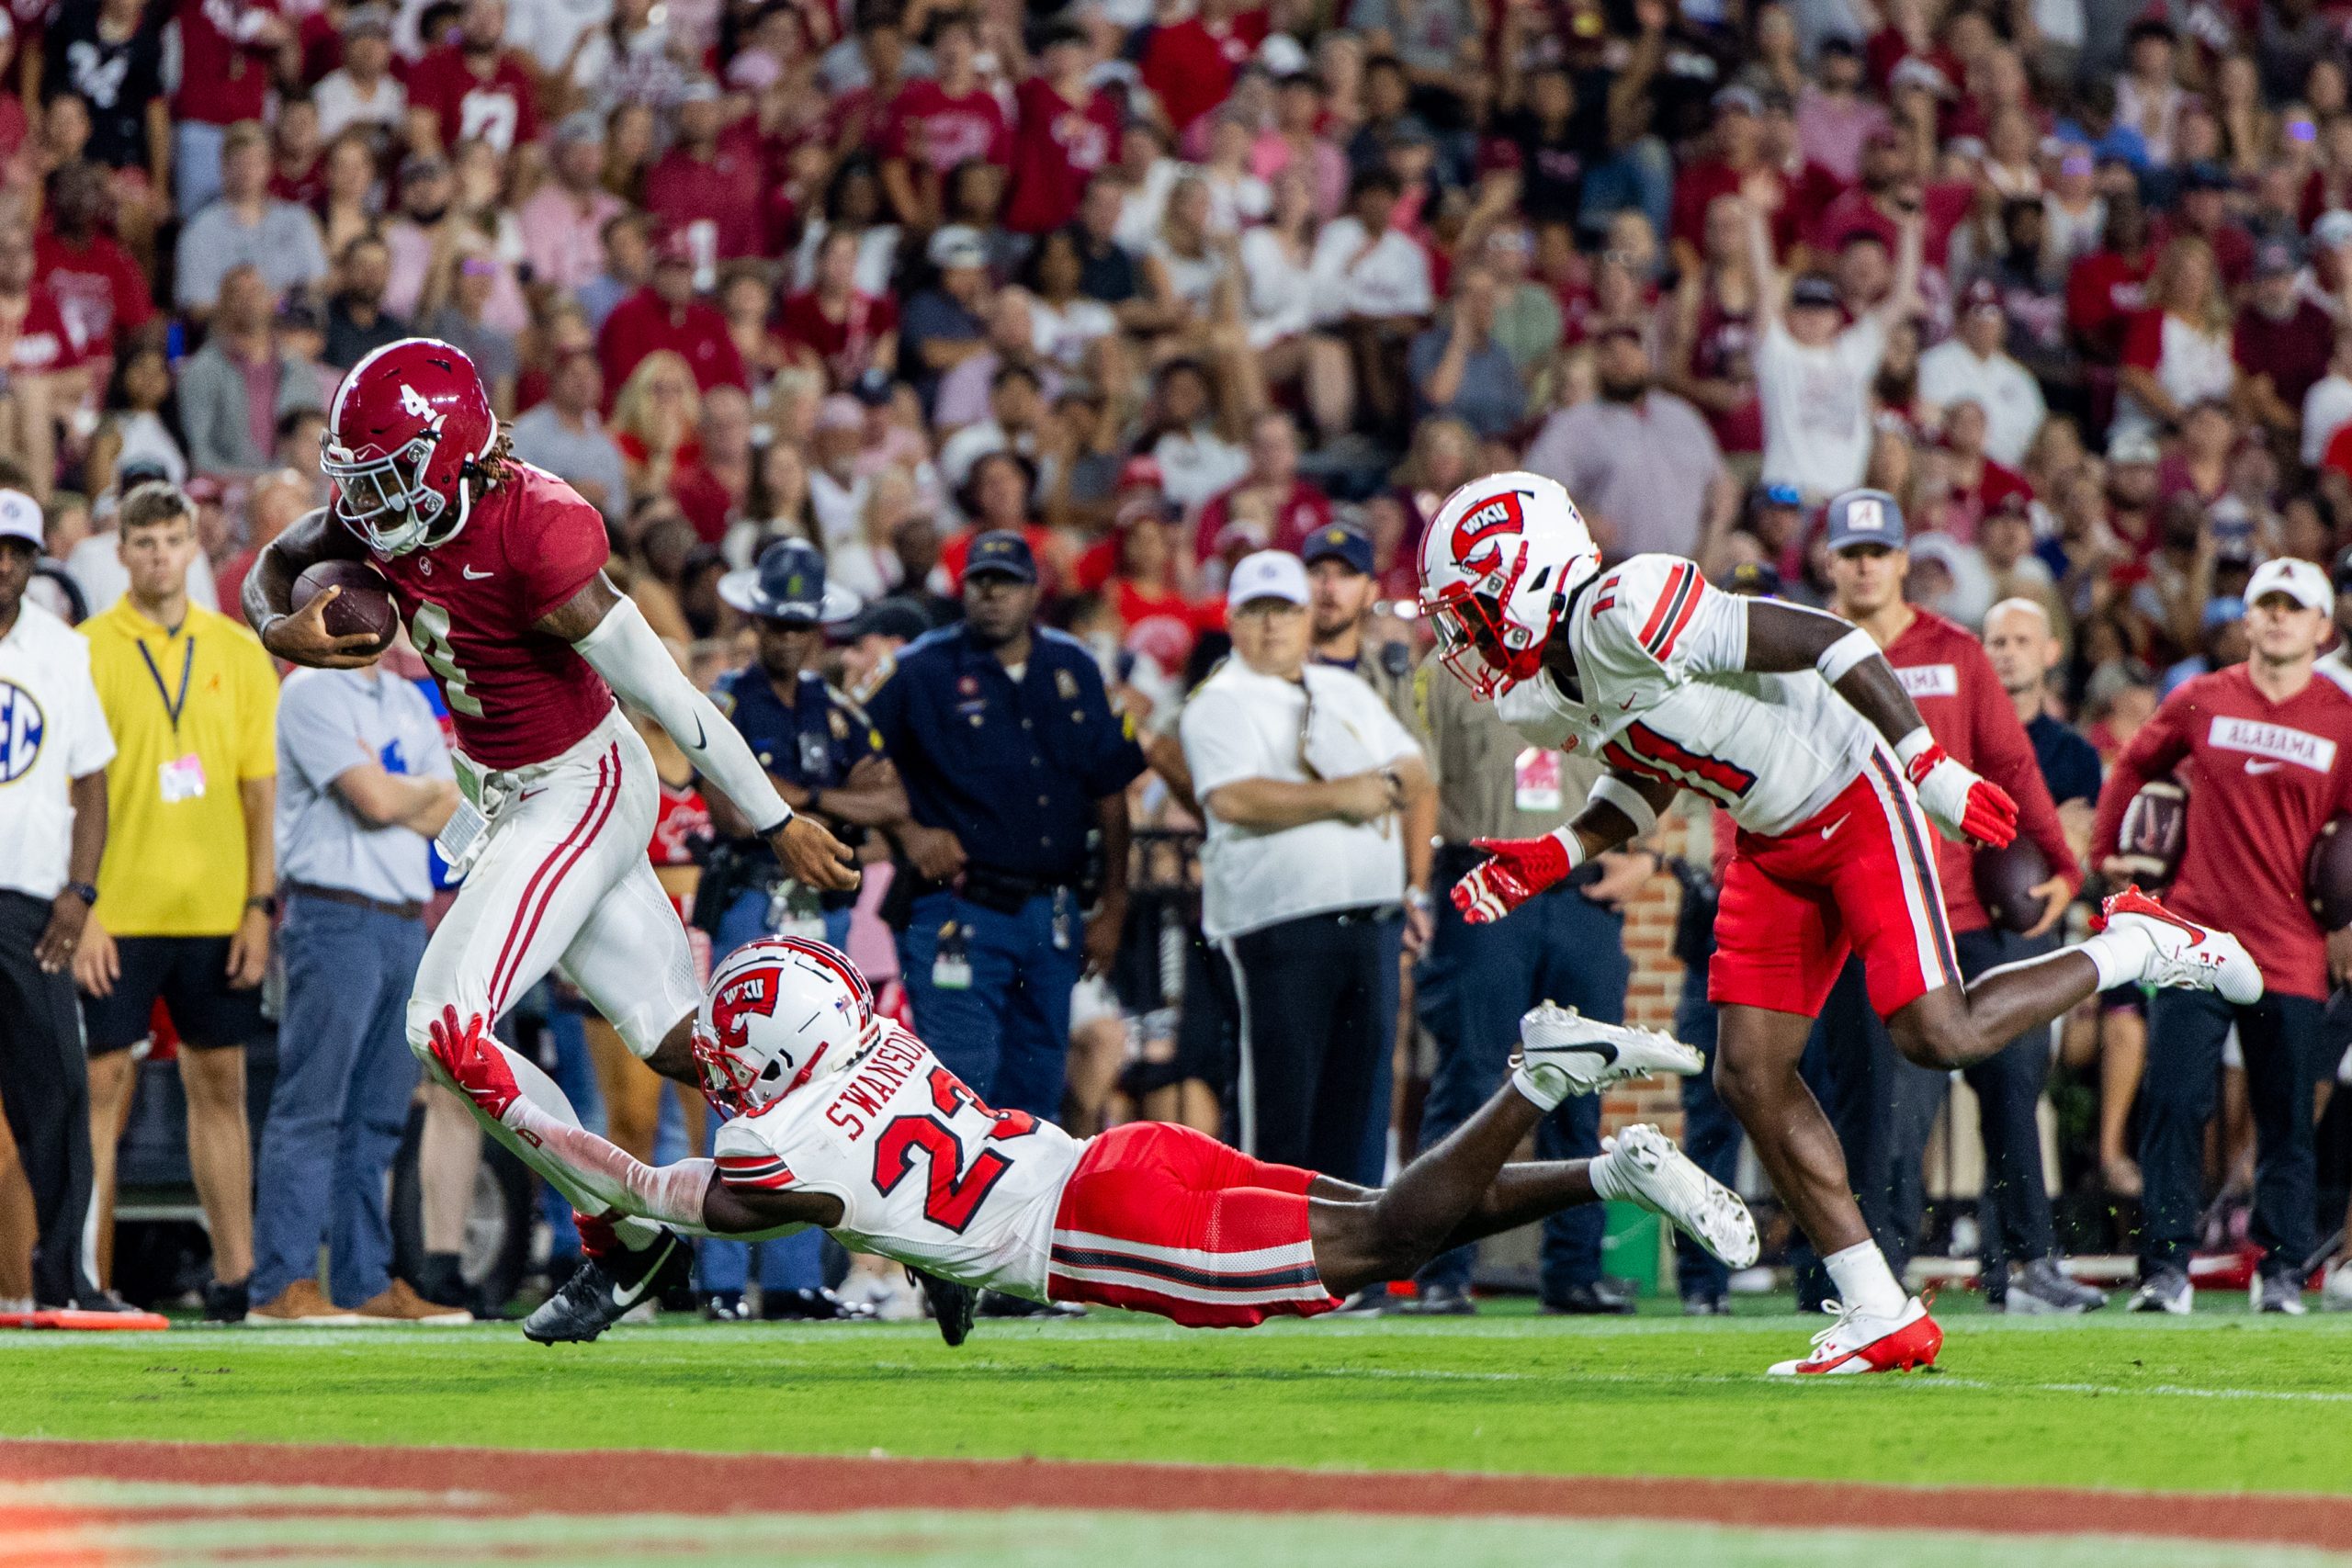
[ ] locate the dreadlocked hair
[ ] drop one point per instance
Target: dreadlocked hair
(495, 467)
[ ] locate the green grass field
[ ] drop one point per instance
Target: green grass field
(2223, 1403)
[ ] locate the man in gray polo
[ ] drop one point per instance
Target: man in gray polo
(1642, 464)
(363, 783)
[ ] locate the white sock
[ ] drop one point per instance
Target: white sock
(2121, 953)
(585, 1192)
(1864, 1280)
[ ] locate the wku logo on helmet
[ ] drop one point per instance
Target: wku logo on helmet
(752, 994)
(1489, 520)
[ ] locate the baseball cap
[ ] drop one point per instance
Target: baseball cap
(367, 19)
(2301, 580)
(422, 167)
(1269, 574)
(2274, 259)
(1743, 99)
(2333, 228)
(1816, 290)
(20, 518)
(958, 245)
(1982, 295)
(1913, 72)
(1003, 552)
(1754, 580)
(2222, 613)
(894, 616)
(874, 388)
(789, 584)
(1865, 517)
(1340, 542)
(1142, 472)
(2133, 447)
(1782, 495)
(584, 126)
(2205, 175)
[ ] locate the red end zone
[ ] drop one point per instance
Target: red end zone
(653, 1480)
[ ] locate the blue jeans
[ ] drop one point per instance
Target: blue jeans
(196, 167)
(1710, 1132)
(345, 1079)
(794, 1262)
(1007, 1033)
(1471, 988)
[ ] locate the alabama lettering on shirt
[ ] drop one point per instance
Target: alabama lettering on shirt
(1928, 680)
(2272, 742)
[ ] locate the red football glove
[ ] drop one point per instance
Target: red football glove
(469, 1054)
(1960, 805)
(1517, 871)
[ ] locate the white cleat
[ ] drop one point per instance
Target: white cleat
(2188, 955)
(1643, 1166)
(1561, 1053)
(2335, 1290)
(1863, 1342)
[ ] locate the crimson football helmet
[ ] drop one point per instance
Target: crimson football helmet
(1499, 564)
(778, 1012)
(411, 424)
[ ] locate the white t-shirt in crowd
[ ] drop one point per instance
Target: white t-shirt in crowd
(2327, 408)
(1391, 279)
(1816, 406)
(52, 731)
(1279, 290)
(1063, 335)
(1951, 373)
(1241, 725)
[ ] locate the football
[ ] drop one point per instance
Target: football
(2006, 879)
(2327, 874)
(364, 608)
(2148, 842)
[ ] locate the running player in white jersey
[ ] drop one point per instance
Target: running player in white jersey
(850, 1123)
(1791, 720)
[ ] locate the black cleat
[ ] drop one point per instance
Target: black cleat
(1599, 1299)
(952, 1305)
(602, 1288)
(814, 1304)
(998, 1303)
(1434, 1300)
(225, 1303)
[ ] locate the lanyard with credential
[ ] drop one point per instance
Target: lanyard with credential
(171, 707)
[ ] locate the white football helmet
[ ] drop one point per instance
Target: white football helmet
(1497, 566)
(778, 1013)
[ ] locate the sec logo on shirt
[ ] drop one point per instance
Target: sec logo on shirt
(22, 729)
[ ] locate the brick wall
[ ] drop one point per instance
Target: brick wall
(1657, 986)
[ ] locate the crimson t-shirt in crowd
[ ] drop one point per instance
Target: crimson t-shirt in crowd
(642, 324)
(1942, 205)
(308, 188)
(529, 545)
(2293, 351)
(99, 290)
(1190, 65)
(41, 340)
(845, 345)
(926, 125)
(2104, 291)
(224, 73)
(2263, 778)
(500, 109)
(2232, 246)
(705, 500)
(724, 191)
(1944, 668)
(1056, 148)
(1694, 189)
(1301, 512)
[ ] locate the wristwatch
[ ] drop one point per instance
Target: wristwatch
(85, 891)
(266, 902)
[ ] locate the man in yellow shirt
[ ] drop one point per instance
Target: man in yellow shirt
(188, 890)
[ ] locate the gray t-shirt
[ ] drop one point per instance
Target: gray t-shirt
(330, 721)
(1641, 468)
(542, 438)
(285, 246)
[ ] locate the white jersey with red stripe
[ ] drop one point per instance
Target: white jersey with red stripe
(926, 1174)
(1659, 654)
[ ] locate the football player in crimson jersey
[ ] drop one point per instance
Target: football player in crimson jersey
(835, 1109)
(1793, 722)
(498, 569)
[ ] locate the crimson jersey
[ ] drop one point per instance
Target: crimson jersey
(99, 290)
(501, 110)
(1944, 669)
(224, 63)
(516, 696)
(2263, 778)
(926, 125)
(1056, 148)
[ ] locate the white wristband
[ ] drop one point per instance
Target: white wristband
(1610, 790)
(1571, 842)
(1840, 658)
(1912, 745)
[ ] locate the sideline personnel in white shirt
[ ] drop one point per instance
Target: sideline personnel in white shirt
(1301, 771)
(54, 748)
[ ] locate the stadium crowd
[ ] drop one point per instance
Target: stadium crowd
(999, 405)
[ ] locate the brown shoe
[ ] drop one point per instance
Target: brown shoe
(399, 1303)
(301, 1302)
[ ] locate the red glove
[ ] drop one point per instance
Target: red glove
(1517, 871)
(1958, 803)
(471, 1057)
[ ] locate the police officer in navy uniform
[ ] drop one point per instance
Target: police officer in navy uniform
(1012, 760)
(826, 760)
